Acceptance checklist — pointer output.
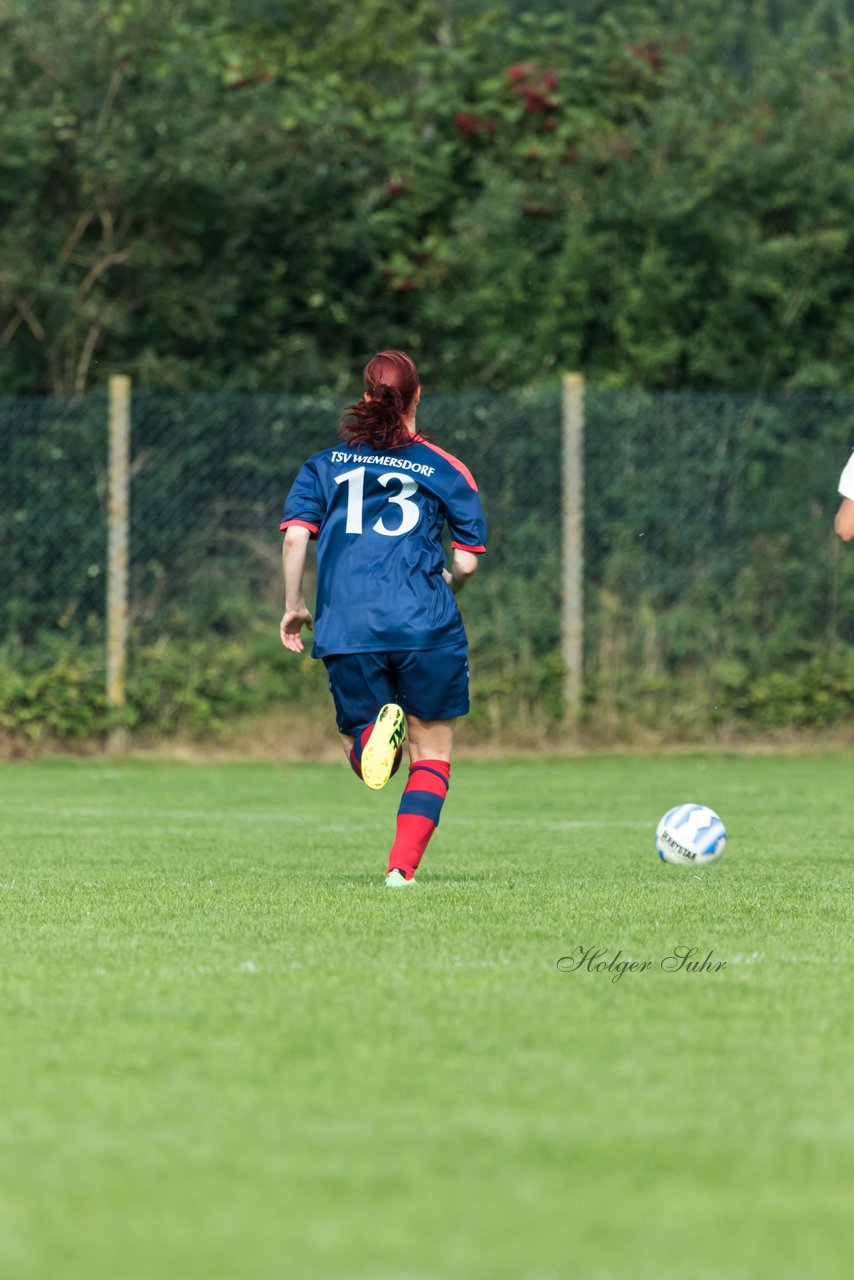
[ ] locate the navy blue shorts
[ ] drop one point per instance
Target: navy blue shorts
(432, 684)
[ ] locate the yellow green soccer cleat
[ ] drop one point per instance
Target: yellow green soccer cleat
(396, 879)
(381, 748)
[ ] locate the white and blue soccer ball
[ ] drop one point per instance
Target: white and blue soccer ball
(690, 835)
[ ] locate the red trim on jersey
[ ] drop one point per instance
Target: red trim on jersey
(449, 457)
(300, 524)
(460, 546)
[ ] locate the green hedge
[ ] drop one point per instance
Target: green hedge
(55, 694)
(55, 690)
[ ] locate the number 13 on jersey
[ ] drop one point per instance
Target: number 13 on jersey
(410, 511)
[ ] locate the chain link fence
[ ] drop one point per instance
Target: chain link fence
(710, 564)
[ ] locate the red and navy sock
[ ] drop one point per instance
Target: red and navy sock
(360, 742)
(418, 815)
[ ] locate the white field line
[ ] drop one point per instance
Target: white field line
(291, 819)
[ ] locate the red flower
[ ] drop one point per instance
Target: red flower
(470, 126)
(395, 187)
(466, 123)
(515, 74)
(535, 102)
(405, 286)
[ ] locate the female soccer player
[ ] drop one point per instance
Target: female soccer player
(388, 628)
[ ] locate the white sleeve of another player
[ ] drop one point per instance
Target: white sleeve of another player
(846, 480)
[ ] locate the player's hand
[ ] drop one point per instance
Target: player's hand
(292, 623)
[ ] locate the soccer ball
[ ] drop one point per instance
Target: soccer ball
(689, 835)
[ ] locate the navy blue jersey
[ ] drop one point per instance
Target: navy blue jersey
(378, 520)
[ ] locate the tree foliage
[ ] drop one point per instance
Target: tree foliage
(255, 195)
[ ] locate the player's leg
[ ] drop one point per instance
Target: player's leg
(361, 685)
(433, 689)
(382, 746)
(430, 739)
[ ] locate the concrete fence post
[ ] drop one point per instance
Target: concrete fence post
(117, 551)
(572, 509)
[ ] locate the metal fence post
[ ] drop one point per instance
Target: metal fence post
(572, 516)
(117, 551)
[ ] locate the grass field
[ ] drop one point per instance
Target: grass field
(228, 1052)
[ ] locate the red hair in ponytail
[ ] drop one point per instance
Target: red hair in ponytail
(391, 381)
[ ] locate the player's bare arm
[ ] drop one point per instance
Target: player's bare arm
(463, 568)
(844, 522)
(296, 615)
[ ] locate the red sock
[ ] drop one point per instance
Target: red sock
(418, 815)
(360, 742)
